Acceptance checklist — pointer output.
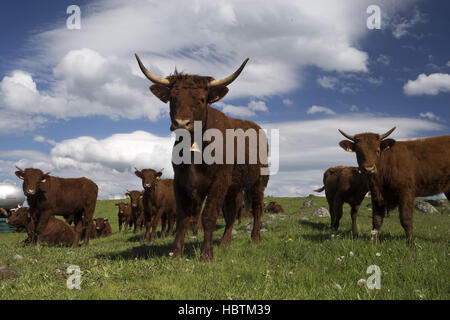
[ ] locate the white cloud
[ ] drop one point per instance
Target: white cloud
(354, 108)
(319, 109)
(448, 63)
(288, 102)
(430, 115)
(402, 25)
(328, 82)
(243, 111)
(432, 84)
(43, 139)
(384, 59)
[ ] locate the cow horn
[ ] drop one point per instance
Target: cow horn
(161, 170)
(383, 136)
(20, 169)
(136, 169)
(150, 76)
(226, 81)
(347, 135)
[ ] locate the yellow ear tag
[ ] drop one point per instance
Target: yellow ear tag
(349, 150)
(21, 177)
(43, 180)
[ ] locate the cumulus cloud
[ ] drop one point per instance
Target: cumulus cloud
(319, 109)
(243, 111)
(43, 139)
(431, 84)
(328, 82)
(384, 59)
(288, 102)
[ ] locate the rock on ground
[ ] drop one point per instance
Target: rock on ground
(437, 202)
(309, 204)
(425, 207)
(321, 212)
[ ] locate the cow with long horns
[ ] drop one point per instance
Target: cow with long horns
(190, 97)
(399, 171)
(68, 197)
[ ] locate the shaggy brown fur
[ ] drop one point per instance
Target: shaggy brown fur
(159, 203)
(344, 184)
(137, 208)
(48, 196)
(189, 97)
(124, 215)
(56, 232)
(399, 171)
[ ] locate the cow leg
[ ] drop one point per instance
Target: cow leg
(330, 201)
(231, 207)
(337, 206)
(378, 212)
(171, 222)
(354, 214)
(120, 224)
(257, 196)
(154, 223)
(447, 195)
(406, 209)
(164, 223)
(185, 206)
(214, 203)
(78, 227)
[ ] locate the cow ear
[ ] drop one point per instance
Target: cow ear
(386, 144)
(19, 174)
(162, 92)
(128, 195)
(159, 174)
(347, 145)
(138, 173)
(217, 93)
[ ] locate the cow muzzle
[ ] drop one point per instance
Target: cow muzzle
(370, 169)
(31, 192)
(182, 124)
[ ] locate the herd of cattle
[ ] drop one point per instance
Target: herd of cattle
(395, 172)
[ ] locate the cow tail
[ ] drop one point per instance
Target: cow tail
(320, 189)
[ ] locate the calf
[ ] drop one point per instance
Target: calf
(344, 184)
(273, 207)
(103, 228)
(125, 216)
(159, 202)
(48, 196)
(137, 208)
(56, 231)
(399, 171)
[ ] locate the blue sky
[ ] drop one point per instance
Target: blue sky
(74, 103)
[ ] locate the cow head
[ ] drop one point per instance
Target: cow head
(189, 95)
(101, 223)
(135, 197)
(33, 180)
(122, 207)
(19, 218)
(368, 148)
(149, 177)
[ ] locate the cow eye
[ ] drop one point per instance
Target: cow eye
(378, 152)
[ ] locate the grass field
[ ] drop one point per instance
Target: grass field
(299, 257)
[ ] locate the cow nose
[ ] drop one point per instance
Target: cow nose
(7, 221)
(147, 185)
(370, 169)
(30, 191)
(181, 124)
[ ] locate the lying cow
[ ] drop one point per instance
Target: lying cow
(399, 171)
(344, 185)
(124, 216)
(273, 207)
(56, 232)
(103, 228)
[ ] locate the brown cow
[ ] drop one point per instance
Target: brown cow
(56, 231)
(159, 202)
(273, 207)
(103, 228)
(137, 208)
(48, 196)
(124, 216)
(190, 96)
(399, 171)
(344, 184)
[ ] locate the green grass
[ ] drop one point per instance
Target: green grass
(123, 266)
